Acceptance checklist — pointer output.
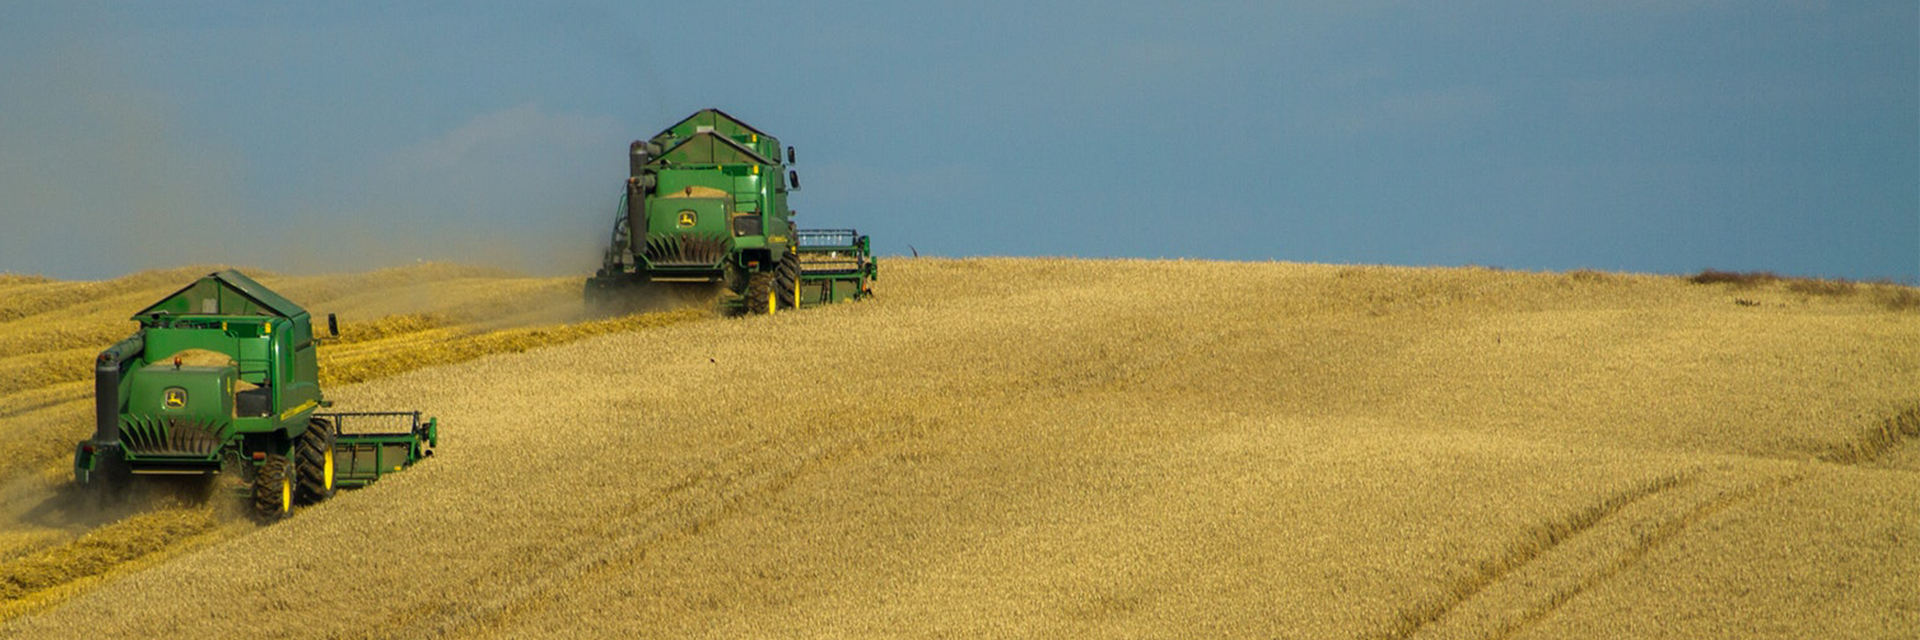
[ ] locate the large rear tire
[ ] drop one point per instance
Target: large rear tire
(315, 466)
(763, 298)
(273, 489)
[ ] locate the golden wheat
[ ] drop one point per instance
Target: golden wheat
(1063, 448)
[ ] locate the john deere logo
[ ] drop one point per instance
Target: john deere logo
(686, 218)
(176, 398)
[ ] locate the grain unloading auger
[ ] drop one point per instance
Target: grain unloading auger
(705, 205)
(222, 379)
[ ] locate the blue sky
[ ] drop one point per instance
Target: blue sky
(1622, 135)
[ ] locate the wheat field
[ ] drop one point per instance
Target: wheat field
(1026, 448)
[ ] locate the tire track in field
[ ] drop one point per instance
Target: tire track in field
(1430, 619)
(750, 472)
(1893, 433)
(1645, 543)
(1538, 542)
(1599, 542)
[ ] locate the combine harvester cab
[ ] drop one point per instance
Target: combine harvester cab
(706, 206)
(222, 378)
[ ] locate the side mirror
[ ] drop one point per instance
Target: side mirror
(333, 326)
(793, 178)
(789, 155)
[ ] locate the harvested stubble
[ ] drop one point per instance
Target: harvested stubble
(55, 546)
(1055, 448)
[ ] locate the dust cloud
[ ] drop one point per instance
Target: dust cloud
(100, 177)
(32, 503)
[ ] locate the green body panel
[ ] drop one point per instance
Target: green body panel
(219, 373)
(244, 359)
(178, 414)
(164, 390)
(690, 216)
(737, 170)
(706, 201)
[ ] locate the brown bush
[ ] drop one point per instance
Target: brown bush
(1589, 275)
(1822, 287)
(1737, 278)
(1897, 298)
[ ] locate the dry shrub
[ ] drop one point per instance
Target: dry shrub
(1822, 287)
(1591, 276)
(1587, 275)
(1896, 297)
(1887, 294)
(1737, 278)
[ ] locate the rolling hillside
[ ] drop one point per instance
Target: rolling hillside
(1034, 448)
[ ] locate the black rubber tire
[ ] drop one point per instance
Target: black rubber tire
(314, 465)
(761, 297)
(273, 489)
(789, 281)
(594, 293)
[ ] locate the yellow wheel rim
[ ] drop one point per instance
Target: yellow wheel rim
(327, 470)
(773, 302)
(286, 494)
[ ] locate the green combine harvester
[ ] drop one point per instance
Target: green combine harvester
(706, 205)
(222, 378)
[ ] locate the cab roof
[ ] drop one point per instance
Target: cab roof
(224, 293)
(763, 148)
(714, 119)
(707, 147)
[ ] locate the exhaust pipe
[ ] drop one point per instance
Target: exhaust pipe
(638, 187)
(639, 154)
(637, 157)
(107, 372)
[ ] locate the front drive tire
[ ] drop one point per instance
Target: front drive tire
(273, 489)
(314, 469)
(789, 281)
(762, 298)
